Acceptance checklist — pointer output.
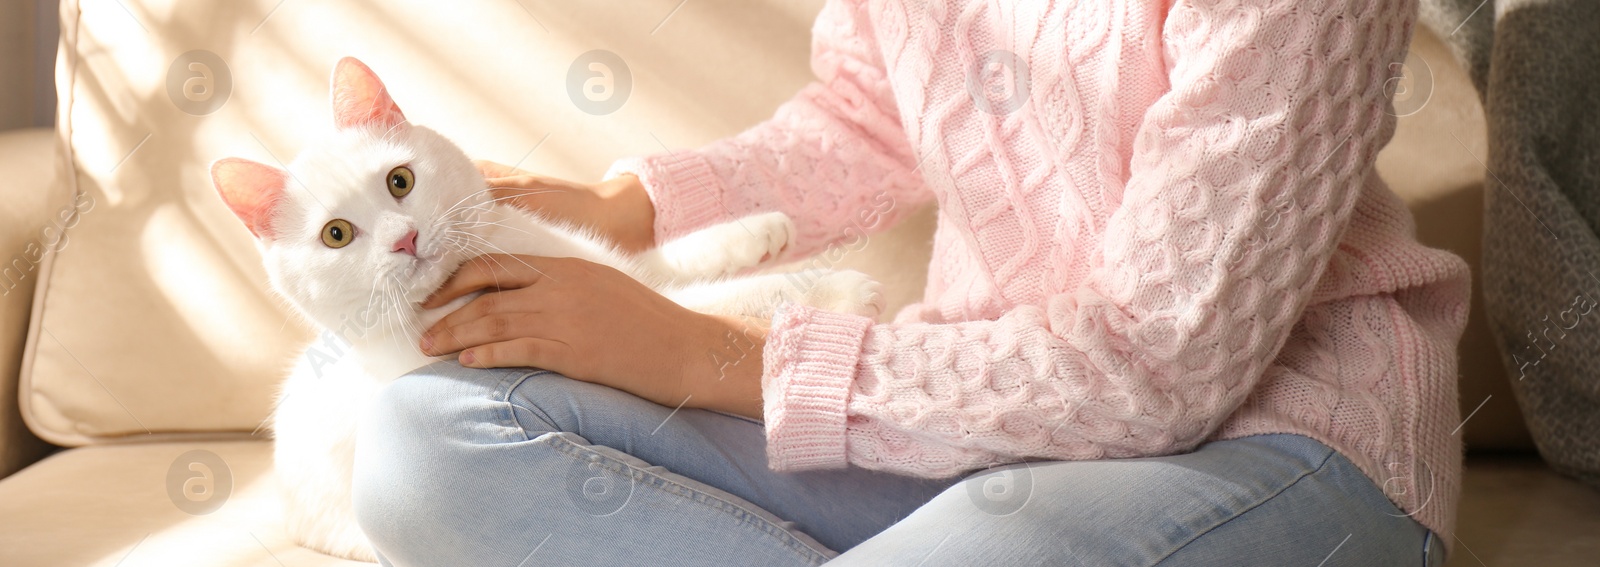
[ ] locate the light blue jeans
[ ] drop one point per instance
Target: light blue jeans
(517, 467)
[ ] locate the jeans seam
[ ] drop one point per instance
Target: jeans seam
(1303, 475)
(573, 450)
(511, 408)
(738, 512)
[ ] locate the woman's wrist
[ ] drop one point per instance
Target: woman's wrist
(630, 215)
(726, 375)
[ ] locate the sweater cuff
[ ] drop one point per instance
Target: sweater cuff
(682, 187)
(809, 366)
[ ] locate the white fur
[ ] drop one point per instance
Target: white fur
(364, 296)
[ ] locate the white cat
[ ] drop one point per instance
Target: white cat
(373, 217)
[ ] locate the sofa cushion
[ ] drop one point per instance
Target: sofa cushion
(150, 504)
(30, 228)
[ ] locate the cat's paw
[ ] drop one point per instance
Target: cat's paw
(773, 233)
(847, 291)
(732, 247)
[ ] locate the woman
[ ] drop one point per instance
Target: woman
(1173, 317)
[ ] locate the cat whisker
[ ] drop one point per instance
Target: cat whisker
(394, 295)
(526, 192)
(398, 322)
(477, 251)
(479, 224)
(518, 195)
(407, 316)
(483, 223)
(367, 307)
(458, 202)
(484, 206)
(501, 251)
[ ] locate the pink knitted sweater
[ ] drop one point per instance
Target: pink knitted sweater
(1159, 224)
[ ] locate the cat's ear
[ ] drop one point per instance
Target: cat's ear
(360, 99)
(253, 190)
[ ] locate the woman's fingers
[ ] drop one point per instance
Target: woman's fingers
(501, 176)
(538, 353)
(492, 271)
(480, 329)
(491, 170)
(523, 180)
(525, 193)
(506, 179)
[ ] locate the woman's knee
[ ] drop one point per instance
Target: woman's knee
(443, 441)
(415, 435)
(443, 404)
(442, 414)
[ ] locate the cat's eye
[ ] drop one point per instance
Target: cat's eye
(400, 181)
(338, 233)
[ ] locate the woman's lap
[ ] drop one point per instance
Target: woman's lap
(460, 466)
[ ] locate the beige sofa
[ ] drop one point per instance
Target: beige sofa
(139, 345)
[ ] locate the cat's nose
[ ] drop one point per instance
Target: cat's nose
(407, 243)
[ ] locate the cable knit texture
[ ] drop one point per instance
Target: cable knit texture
(1160, 224)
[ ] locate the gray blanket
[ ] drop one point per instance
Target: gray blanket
(1536, 64)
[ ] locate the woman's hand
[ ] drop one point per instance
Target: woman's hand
(593, 323)
(619, 209)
